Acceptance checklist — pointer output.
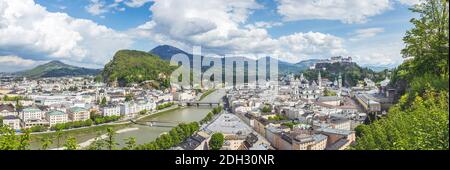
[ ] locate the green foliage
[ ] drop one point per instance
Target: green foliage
(420, 120)
(211, 114)
(266, 109)
(422, 126)
(10, 141)
(110, 140)
(164, 105)
(216, 141)
(130, 142)
(351, 73)
(13, 98)
(59, 136)
(143, 112)
(71, 144)
(207, 93)
(104, 119)
(57, 69)
(129, 97)
(427, 42)
(129, 66)
(290, 124)
(46, 141)
(103, 102)
(38, 128)
(278, 117)
(328, 92)
(70, 125)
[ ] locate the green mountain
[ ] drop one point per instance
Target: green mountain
(130, 66)
(57, 69)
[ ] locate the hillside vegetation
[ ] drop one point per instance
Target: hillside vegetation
(130, 66)
(420, 120)
(57, 69)
(351, 73)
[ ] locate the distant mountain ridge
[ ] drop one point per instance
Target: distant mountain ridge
(57, 69)
(165, 52)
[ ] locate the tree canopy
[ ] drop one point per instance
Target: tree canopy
(420, 119)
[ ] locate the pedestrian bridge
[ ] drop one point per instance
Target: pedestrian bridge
(155, 123)
(200, 103)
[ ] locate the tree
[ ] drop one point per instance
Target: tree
(110, 141)
(59, 135)
(216, 141)
(130, 142)
(19, 105)
(24, 140)
(71, 144)
(423, 126)
(10, 141)
(427, 42)
(266, 109)
(420, 119)
(46, 142)
(129, 97)
(103, 102)
(328, 92)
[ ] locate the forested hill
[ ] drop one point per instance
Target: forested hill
(57, 69)
(351, 73)
(130, 66)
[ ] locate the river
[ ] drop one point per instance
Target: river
(144, 134)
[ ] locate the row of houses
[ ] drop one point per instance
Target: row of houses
(34, 116)
(127, 109)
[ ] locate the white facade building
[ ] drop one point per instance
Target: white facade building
(54, 117)
(31, 113)
(111, 110)
(12, 121)
(78, 114)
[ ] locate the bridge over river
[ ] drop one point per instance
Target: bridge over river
(156, 123)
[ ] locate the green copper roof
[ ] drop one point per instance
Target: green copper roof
(77, 109)
(56, 112)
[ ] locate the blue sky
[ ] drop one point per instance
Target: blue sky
(88, 32)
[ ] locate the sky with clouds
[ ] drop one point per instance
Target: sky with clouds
(88, 32)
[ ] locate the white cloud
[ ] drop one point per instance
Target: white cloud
(17, 61)
(136, 3)
(384, 52)
(96, 7)
(28, 30)
(309, 45)
(264, 24)
(410, 2)
(14, 63)
(346, 11)
(366, 33)
(221, 27)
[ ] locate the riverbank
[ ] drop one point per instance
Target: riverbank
(207, 93)
(104, 136)
(87, 133)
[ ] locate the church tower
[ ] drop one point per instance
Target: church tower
(340, 81)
